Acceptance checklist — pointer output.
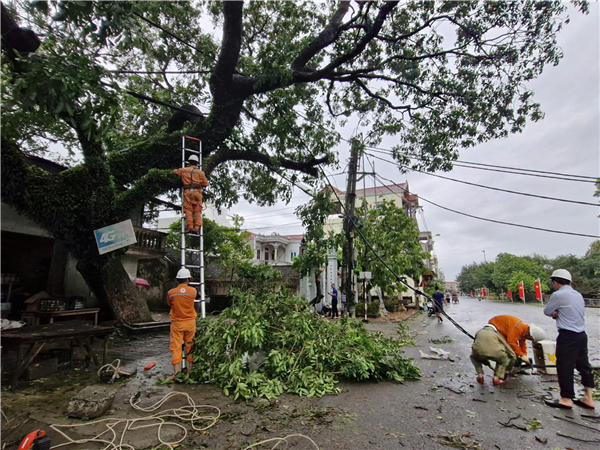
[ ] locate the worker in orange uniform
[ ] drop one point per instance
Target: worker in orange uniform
(503, 340)
(183, 319)
(193, 181)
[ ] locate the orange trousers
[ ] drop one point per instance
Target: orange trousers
(182, 332)
(192, 207)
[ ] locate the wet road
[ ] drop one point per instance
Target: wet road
(445, 404)
(456, 404)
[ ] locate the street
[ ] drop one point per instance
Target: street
(446, 407)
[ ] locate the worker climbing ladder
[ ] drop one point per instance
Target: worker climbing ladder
(185, 153)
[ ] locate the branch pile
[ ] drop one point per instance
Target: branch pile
(295, 351)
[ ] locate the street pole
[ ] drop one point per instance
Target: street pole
(484, 260)
(348, 263)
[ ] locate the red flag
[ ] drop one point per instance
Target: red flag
(485, 292)
(538, 289)
(521, 291)
(509, 293)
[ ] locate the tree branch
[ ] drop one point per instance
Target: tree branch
(228, 154)
(222, 76)
(156, 182)
(326, 37)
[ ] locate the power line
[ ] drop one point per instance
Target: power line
(489, 187)
(495, 221)
(461, 163)
(160, 72)
(174, 36)
(514, 171)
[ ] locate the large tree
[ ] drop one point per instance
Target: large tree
(272, 79)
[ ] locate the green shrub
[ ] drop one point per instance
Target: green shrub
(372, 309)
(391, 305)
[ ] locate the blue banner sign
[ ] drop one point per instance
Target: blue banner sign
(115, 236)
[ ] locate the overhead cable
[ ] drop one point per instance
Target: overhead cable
(488, 187)
(461, 163)
(514, 171)
(492, 220)
(174, 36)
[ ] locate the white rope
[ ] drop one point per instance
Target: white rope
(189, 413)
(112, 367)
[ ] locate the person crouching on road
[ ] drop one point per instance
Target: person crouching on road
(503, 340)
(183, 320)
(567, 307)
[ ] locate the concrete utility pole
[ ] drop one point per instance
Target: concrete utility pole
(348, 262)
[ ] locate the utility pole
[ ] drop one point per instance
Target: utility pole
(348, 263)
(484, 260)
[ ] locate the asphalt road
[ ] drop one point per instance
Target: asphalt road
(436, 412)
(456, 404)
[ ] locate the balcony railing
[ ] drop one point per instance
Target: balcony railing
(149, 242)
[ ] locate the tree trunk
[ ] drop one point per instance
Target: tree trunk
(112, 286)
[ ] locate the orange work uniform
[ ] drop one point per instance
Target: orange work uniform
(513, 330)
(183, 321)
(193, 182)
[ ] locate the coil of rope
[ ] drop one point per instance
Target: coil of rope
(191, 413)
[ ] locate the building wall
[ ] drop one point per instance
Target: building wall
(12, 221)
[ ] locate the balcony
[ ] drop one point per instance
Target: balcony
(150, 244)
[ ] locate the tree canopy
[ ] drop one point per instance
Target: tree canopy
(510, 270)
(262, 84)
(394, 236)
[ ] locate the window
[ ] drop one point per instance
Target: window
(266, 255)
(258, 254)
(293, 255)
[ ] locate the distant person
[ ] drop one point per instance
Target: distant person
(503, 340)
(334, 301)
(183, 320)
(326, 310)
(567, 307)
(454, 297)
(438, 303)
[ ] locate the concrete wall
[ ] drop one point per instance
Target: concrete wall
(12, 221)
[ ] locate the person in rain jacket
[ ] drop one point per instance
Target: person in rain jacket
(503, 340)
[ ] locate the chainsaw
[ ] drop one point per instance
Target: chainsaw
(36, 440)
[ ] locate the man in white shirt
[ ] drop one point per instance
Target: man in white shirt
(567, 307)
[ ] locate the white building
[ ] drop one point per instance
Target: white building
(275, 249)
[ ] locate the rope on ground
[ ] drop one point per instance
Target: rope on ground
(189, 413)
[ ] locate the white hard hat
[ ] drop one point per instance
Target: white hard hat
(183, 274)
(536, 333)
(193, 158)
(562, 273)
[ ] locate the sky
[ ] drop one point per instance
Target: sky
(567, 140)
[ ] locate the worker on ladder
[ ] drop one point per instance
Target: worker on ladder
(194, 181)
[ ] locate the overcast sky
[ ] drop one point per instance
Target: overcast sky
(566, 141)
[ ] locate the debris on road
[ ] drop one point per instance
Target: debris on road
(439, 354)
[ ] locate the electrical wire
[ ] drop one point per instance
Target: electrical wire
(462, 163)
(496, 221)
(174, 36)
(488, 187)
